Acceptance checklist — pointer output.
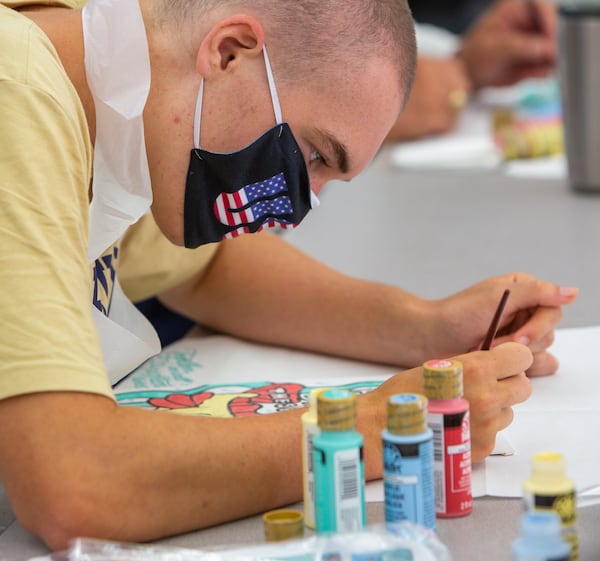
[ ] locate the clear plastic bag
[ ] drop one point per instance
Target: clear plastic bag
(399, 541)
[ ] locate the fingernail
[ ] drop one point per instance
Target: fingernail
(524, 340)
(568, 291)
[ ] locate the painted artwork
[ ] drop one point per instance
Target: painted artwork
(223, 377)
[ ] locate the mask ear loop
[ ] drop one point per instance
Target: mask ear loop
(272, 88)
(314, 200)
(198, 114)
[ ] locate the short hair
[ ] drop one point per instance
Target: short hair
(308, 36)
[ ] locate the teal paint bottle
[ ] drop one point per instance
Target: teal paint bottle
(338, 464)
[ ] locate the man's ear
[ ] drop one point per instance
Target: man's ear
(228, 43)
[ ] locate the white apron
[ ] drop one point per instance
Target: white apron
(118, 72)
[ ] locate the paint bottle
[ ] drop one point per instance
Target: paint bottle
(541, 538)
(309, 429)
(448, 418)
(338, 464)
(408, 461)
(548, 488)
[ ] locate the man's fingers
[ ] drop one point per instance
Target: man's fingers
(496, 379)
(542, 344)
(544, 364)
(529, 292)
(525, 48)
(505, 418)
(538, 331)
(513, 390)
(547, 16)
(509, 359)
(483, 443)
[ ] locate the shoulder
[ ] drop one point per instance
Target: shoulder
(39, 105)
(27, 57)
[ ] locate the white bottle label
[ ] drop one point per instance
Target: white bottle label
(348, 490)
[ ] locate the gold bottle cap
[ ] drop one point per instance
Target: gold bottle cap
(336, 410)
(443, 379)
(283, 525)
(548, 465)
(407, 414)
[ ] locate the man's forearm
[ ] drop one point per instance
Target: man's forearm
(76, 464)
(119, 473)
(288, 298)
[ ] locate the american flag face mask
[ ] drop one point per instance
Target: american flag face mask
(263, 185)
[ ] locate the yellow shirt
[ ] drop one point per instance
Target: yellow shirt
(48, 341)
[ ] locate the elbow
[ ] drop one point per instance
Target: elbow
(56, 531)
(57, 517)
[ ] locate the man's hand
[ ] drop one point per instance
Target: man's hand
(512, 41)
(493, 382)
(440, 90)
(532, 312)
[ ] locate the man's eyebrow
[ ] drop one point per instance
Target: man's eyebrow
(337, 148)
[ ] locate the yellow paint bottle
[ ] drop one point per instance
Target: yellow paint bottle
(309, 429)
(548, 488)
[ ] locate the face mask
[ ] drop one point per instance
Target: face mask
(261, 186)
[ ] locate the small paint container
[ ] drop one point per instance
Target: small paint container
(338, 464)
(408, 461)
(283, 524)
(310, 429)
(541, 538)
(448, 418)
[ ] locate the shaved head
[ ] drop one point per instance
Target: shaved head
(315, 39)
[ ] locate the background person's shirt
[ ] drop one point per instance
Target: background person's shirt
(454, 15)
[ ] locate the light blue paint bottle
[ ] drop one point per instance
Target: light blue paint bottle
(338, 464)
(408, 461)
(541, 538)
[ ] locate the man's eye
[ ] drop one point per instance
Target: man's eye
(315, 156)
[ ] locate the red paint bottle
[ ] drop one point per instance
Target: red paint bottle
(448, 418)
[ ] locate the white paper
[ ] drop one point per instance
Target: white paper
(220, 359)
(563, 415)
(469, 146)
(552, 167)
(226, 377)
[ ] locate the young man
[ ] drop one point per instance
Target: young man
(135, 88)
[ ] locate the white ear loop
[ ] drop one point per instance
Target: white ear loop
(272, 90)
(198, 114)
(314, 200)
